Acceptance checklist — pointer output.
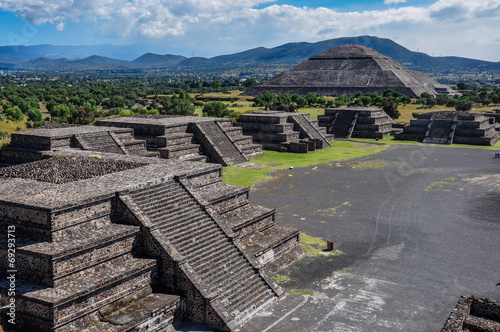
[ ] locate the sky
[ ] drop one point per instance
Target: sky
(214, 27)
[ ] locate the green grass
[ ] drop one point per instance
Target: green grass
(300, 292)
(257, 169)
(279, 278)
(11, 127)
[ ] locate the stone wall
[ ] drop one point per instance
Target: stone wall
(474, 314)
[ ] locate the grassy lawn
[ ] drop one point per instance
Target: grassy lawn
(11, 127)
(248, 173)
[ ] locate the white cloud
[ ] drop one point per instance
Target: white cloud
(390, 2)
(223, 26)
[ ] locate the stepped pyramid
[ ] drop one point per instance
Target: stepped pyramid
(103, 240)
(447, 127)
(284, 131)
(363, 122)
(348, 69)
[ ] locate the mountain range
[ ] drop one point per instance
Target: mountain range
(258, 60)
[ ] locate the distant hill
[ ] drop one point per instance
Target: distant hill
(257, 61)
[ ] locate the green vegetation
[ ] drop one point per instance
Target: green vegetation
(248, 173)
(300, 292)
(279, 278)
(438, 186)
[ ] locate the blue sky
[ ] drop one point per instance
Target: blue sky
(214, 27)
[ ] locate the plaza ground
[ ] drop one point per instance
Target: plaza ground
(417, 227)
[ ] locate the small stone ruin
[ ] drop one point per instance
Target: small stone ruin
(283, 131)
(190, 138)
(168, 137)
(361, 122)
(110, 241)
(474, 314)
(447, 127)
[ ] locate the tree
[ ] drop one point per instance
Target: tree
(462, 86)
(464, 105)
(405, 100)
(60, 113)
(216, 109)
(83, 115)
(365, 100)
(36, 118)
(249, 82)
(180, 107)
(391, 108)
(14, 114)
(266, 100)
(285, 103)
(442, 99)
(311, 98)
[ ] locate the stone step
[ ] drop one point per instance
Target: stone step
(179, 139)
(165, 213)
(198, 248)
(198, 244)
(170, 225)
(243, 140)
(89, 291)
(239, 295)
(227, 125)
(152, 199)
(154, 312)
(177, 151)
(256, 217)
(197, 157)
(57, 260)
(251, 148)
(195, 228)
(183, 222)
(254, 303)
(210, 255)
(225, 272)
(152, 190)
(178, 199)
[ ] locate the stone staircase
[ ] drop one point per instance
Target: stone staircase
(242, 142)
(217, 144)
(309, 129)
(440, 131)
(179, 143)
(343, 125)
(254, 226)
(111, 142)
(70, 273)
(100, 141)
(221, 287)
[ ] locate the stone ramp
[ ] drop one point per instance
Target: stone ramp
(308, 130)
(344, 124)
(217, 144)
(229, 288)
(100, 141)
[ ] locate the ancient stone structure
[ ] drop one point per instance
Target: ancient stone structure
(448, 127)
(190, 138)
(348, 69)
(363, 122)
(102, 238)
(30, 145)
(282, 131)
(474, 314)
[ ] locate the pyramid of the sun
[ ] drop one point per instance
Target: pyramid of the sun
(348, 69)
